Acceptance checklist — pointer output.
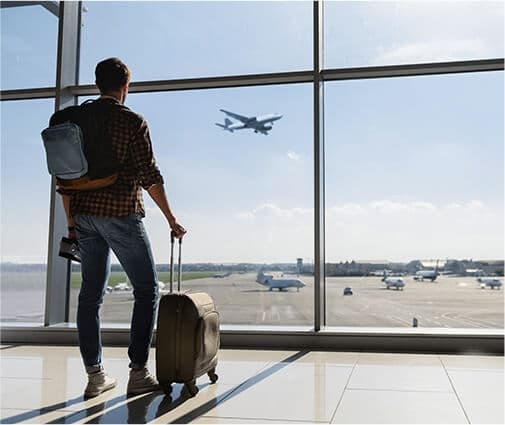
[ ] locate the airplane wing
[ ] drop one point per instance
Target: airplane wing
(236, 116)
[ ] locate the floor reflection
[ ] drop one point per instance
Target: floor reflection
(148, 407)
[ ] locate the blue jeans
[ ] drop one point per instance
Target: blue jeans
(128, 239)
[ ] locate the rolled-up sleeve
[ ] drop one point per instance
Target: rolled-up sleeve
(141, 150)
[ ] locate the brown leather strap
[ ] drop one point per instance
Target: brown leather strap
(85, 183)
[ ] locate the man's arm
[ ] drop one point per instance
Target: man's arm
(158, 195)
(149, 176)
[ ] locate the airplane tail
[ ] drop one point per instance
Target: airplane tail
(227, 123)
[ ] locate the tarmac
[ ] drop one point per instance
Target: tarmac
(449, 302)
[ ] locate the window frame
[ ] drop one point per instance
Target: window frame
(66, 92)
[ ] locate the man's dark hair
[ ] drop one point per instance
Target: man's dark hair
(111, 74)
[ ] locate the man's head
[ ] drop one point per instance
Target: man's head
(112, 77)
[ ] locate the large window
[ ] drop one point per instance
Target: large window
(28, 45)
(414, 163)
(371, 33)
(245, 198)
(415, 175)
(165, 40)
(25, 185)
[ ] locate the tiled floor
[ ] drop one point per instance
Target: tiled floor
(42, 384)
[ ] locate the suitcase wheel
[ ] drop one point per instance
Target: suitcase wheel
(191, 387)
(213, 376)
(167, 388)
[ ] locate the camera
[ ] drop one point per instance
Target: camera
(70, 249)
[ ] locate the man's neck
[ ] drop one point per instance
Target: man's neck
(108, 96)
(116, 95)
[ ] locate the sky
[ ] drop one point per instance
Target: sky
(414, 166)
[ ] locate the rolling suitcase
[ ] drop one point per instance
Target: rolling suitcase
(187, 338)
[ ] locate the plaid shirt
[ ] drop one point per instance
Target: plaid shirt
(132, 144)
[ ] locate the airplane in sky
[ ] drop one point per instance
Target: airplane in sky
(262, 124)
(280, 284)
(491, 282)
(393, 282)
(427, 274)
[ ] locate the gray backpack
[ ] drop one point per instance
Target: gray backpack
(64, 151)
(79, 150)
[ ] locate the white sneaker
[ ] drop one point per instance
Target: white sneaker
(141, 381)
(98, 382)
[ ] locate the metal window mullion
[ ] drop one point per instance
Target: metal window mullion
(51, 6)
(58, 269)
(28, 94)
(294, 77)
(411, 70)
(319, 231)
(437, 68)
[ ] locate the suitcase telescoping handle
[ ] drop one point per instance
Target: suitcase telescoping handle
(179, 266)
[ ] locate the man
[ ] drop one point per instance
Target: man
(111, 218)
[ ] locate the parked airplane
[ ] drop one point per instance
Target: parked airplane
(280, 284)
(427, 274)
(393, 282)
(258, 124)
(489, 282)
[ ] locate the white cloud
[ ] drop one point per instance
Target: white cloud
(274, 211)
(422, 207)
(270, 232)
(293, 156)
(431, 51)
(348, 208)
(475, 205)
(370, 208)
(391, 207)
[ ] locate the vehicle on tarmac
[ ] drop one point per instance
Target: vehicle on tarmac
(489, 282)
(348, 291)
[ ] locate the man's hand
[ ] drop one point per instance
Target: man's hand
(71, 233)
(178, 230)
